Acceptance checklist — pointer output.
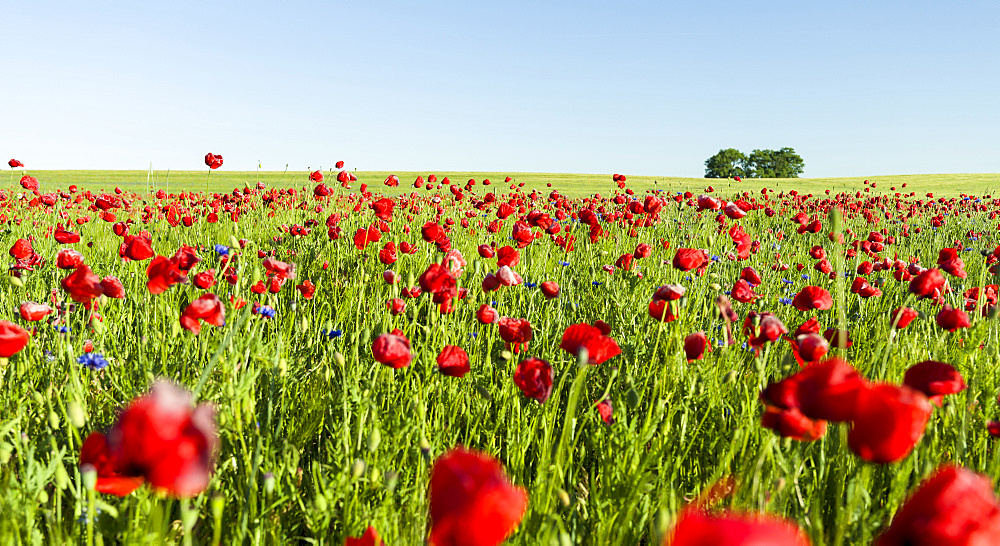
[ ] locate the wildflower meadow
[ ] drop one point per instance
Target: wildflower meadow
(334, 357)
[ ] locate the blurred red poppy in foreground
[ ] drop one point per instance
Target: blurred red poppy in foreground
(698, 528)
(953, 506)
(13, 338)
(159, 438)
(934, 379)
(888, 422)
(472, 502)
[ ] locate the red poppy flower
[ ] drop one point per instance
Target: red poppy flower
(113, 287)
(750, 275)
(903, 316)
(162, 274)
(662, 310)
(810, 347)
(392, 350)
(669, 292)
(453, 361)
(185, 258)
(437, 279)
(516, 332)
(486, 314)
(761, 328)
(812, 297)
(549, 289)
(952, 319)
(934, 379)
(208, 308)
(950, 263)
(888, 422)
(307, 289)
(163, 439)
(508, 255)
(278, 269)
(696, 345)
(96, 453)
(507, 276)
(316, 176)
(534, 377)
(486, 251)
(472, 501)
(953, 506)
(68, 258)
(213, 161)
(29, 183)
(65, 237)
(31, 311)
(791, 423)
(602, 327)
(135, 247)
(204, 280)
(827, 390)
(584, 336)
(368, 538)
(13, 338)
(926, 283)
(13, 164)
(397, 306)
(687, 259)
(432, 232)
(21, 249)
(82, 285)
(697, 528)
(743, 293)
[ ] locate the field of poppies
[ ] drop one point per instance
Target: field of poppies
(418, 359)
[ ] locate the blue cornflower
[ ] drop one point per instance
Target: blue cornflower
(265, 311)
(786, 301)
(687, 277)
(333, 334)
(787, 281)
(62, 329)
(530, 284)
(728, 292)
(596, 283)
(472, 335)
(715, 258)
(564, 264)
(94, 361)
(222, 250)
(805, 277)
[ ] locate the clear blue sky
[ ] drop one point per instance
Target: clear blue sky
(857, 88)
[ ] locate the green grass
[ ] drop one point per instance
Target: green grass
(345, 442)
(574, 185)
